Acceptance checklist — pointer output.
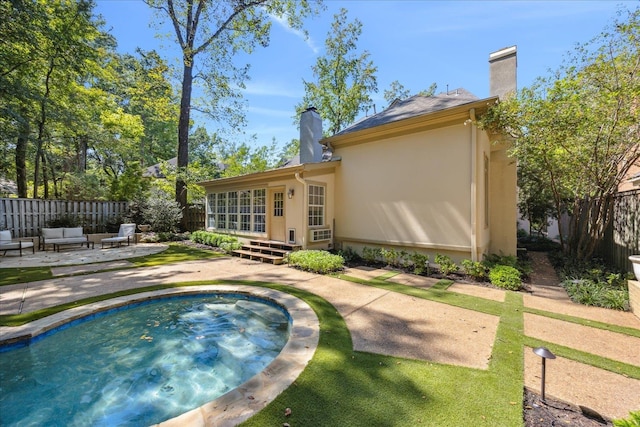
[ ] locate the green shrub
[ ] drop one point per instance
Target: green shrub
(598, 294)
(505, 277)
(371, 255)
(446, 265)
(350, 256)
(474, 269)
(162, 212)
(64, 221)
(223, 241)
(522, 265)
(321, 262)
(390, 256)
(420, 263)
(632, 421)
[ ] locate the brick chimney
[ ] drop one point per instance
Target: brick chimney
(502, 72)
(310, 135)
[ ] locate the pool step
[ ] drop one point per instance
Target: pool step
(266, 251)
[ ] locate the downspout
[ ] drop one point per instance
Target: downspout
(304, 204)
(474, 185)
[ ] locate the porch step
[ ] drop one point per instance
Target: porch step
(266, 251)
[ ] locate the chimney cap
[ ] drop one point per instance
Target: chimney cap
(507, 51)
(311, 109)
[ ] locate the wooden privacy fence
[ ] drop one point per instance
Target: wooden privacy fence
(622, 238)
(25, 217)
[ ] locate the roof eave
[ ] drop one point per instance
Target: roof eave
(413, 124)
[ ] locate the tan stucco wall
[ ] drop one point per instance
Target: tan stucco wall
(503, 203)
(410, 191)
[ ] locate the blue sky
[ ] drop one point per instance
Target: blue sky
(414, 42)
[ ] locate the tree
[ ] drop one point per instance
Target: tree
(215, 31)
(397, 91)
(345, 79)
(578, 130)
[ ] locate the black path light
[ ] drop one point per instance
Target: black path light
(545, 354)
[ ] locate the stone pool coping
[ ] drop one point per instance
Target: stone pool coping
(245, 400)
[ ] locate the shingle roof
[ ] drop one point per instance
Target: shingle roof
(414, 106)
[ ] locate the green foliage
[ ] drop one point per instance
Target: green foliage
(632, 421)
(420, 263)
(474, 269)
(321, 262)
(162, 212)
(345, 79)
(505, 277)
(350, 256)
(536, 243)
(599, 294)
(223, 241)
(575, 133)
(371, 255)
(445, 264)
(390, 256)
(523, 266)
(64, 221)
(130, 184)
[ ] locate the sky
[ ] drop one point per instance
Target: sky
(415, 42)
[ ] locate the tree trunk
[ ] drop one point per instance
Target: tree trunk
(83, 143)
(183, 134)
(21, 159)
(41, 127)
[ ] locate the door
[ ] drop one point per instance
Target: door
(276, 221)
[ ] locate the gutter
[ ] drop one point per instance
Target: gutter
(304, 205)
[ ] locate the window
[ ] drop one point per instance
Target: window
(211, 210)
(233, 210)
(245, 210)
(316, 205)
(278, 204)
(259, 210)
(222, 211)
(238, 210)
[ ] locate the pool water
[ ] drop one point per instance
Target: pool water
(141, 365)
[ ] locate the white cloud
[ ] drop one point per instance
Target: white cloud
(307, 39)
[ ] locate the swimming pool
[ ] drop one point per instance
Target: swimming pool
(162, 381)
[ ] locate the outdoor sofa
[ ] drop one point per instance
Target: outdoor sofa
(8, 244)
(125, 234)
(63, 236)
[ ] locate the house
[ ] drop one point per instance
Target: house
(418, 176)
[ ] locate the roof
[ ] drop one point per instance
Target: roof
(414, 106)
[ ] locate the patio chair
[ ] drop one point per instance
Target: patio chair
(125, 234)
(8, 244)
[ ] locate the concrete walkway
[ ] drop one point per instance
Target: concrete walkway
(394, 324)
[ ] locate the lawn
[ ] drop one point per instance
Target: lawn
(344, 387)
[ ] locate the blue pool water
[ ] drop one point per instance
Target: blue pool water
(141, 365)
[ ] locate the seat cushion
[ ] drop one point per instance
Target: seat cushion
(5, 236)
(52, 233)
(72, 232)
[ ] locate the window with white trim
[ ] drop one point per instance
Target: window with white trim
(316, 205)
(232, 200)
(211, 210)
(259, 210)
(245, 210)
(221, 206)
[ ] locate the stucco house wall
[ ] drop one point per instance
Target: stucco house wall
(410, 191)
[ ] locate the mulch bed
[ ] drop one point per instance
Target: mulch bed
(557, 413)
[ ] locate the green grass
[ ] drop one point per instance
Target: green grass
(12, 276)
(344, 387)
